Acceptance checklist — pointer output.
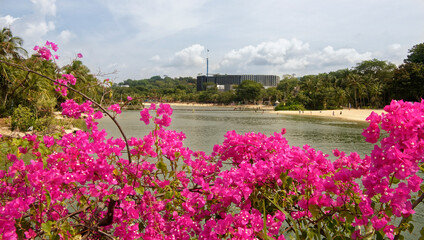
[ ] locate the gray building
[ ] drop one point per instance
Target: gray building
(225, 82)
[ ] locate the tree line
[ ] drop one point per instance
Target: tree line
(370, 84)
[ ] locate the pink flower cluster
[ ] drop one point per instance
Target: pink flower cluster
(116, 108)
(74, 110)
(44, 51)
(65, 80)
(164, 110)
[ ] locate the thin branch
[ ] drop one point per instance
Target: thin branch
(78, 92)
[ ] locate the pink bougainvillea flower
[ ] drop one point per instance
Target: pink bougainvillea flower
(48, 141)
(116, 108)
(145, 116)
(129, 98)
(30, 234)
(79, 55)
(44, 52)
(70, 78)
(98, 115)
(52, 45)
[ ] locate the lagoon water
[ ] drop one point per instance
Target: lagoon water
(206, 126)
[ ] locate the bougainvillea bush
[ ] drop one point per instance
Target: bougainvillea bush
(85, 185)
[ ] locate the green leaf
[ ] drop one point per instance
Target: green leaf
(314, 210)
(289, 181)
(162, 166)
(169, 206)
(264, 215)
(47, 227)
(44, 163)
(395, 180)
(379, 236)
(411, 228)
(140, 190)
(422, 234)
(169, 194)
(48, 198)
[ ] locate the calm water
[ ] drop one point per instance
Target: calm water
(206, 126)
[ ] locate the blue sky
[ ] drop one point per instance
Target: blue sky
(142, 38)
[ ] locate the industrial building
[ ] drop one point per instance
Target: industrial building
(226, 82)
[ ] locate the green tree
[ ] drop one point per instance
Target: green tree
(408, 82)
(408, 79)
(288, 87)
(10, 50)
(87, 83)
(249, 91)
(11, 46)
(226, 97)
(272, 94)
(376, 76)
(416, 54)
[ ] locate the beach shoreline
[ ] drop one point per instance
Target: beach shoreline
(341, 114)
(352, 114)
(358, 115)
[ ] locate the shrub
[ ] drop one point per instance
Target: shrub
(4, 112)
(290, 107)
(42, 124)
(22, 118)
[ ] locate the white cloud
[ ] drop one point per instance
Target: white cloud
(265, 53)
(39, 29)
(155, 58)
(288, 55)
(65, 36)
(7, 20)
(294, 64)
(34, 27)
(395, 47)
(45, 7)
(343, 56)
(158, 18)
(188, 57)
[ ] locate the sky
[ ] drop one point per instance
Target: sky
(137, 39)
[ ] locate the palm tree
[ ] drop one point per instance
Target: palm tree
(11, 46)
(353, 80)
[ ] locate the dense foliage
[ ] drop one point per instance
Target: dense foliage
(19, 87)
(157, 88)
(408, 80)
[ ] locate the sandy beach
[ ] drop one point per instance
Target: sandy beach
(345, 114)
